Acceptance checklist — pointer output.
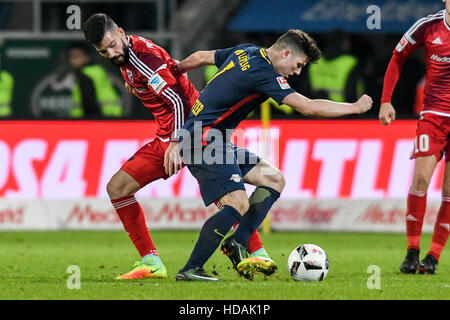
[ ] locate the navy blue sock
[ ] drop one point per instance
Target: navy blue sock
(212, 233)
(260, 201)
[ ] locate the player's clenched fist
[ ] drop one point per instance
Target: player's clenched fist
(364, 103)
(386, 114)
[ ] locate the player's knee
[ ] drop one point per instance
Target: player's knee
(112, 189)
(243, 206)
(278, 181)
(237, 200)
(275, 180)
(420, 182)
(115, 189)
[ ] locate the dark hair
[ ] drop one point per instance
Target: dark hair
(301, 42)
(96, 26)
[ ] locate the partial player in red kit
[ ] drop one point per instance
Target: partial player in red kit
(151, 75)
(432, 133)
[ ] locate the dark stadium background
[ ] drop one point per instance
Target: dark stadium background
(183, 26)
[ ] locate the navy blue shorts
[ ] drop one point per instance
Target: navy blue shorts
(221, 170)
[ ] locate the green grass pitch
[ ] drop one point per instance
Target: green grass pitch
(33, 265)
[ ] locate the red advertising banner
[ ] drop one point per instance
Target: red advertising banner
(354, 159)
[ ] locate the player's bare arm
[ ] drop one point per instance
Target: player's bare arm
(321, 108)
(387, 113)
(196, 60)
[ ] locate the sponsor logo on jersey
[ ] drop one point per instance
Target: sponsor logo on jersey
(235, 178)
(130, 76)
(437, 41)
(198, 106)
(157, 83)
(436, 58)
(283, 83)
(401, 45)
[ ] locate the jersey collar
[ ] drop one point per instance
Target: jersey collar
(264, 54)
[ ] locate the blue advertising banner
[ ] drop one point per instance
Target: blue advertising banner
(355, 16)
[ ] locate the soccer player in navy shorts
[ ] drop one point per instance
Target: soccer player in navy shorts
(432, 133)
(247, 76)
(152, 76)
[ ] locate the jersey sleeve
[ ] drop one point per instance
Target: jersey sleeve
(409, 43)
(222, 54)
(414, 36)
(273, 85)
(163, 83)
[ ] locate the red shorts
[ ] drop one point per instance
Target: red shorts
(147, 164)
(432, 137)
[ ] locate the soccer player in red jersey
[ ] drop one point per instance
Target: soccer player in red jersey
(152, 76)
(432, 133)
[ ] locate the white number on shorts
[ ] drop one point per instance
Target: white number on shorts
(424, 143)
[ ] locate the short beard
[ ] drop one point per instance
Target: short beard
(126, 56)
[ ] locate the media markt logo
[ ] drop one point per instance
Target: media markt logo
(436, 58)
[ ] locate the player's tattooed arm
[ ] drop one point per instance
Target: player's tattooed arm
(196, 60)
(320, 108)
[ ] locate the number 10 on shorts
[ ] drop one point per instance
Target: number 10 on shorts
(422, 143)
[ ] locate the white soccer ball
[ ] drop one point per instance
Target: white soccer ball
(308, 262)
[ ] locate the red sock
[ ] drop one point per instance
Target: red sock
(254, 242)
(133, 219)
(416, 206)
(441, 229)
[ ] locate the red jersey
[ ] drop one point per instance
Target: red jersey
(433, 33)
(159, 84)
